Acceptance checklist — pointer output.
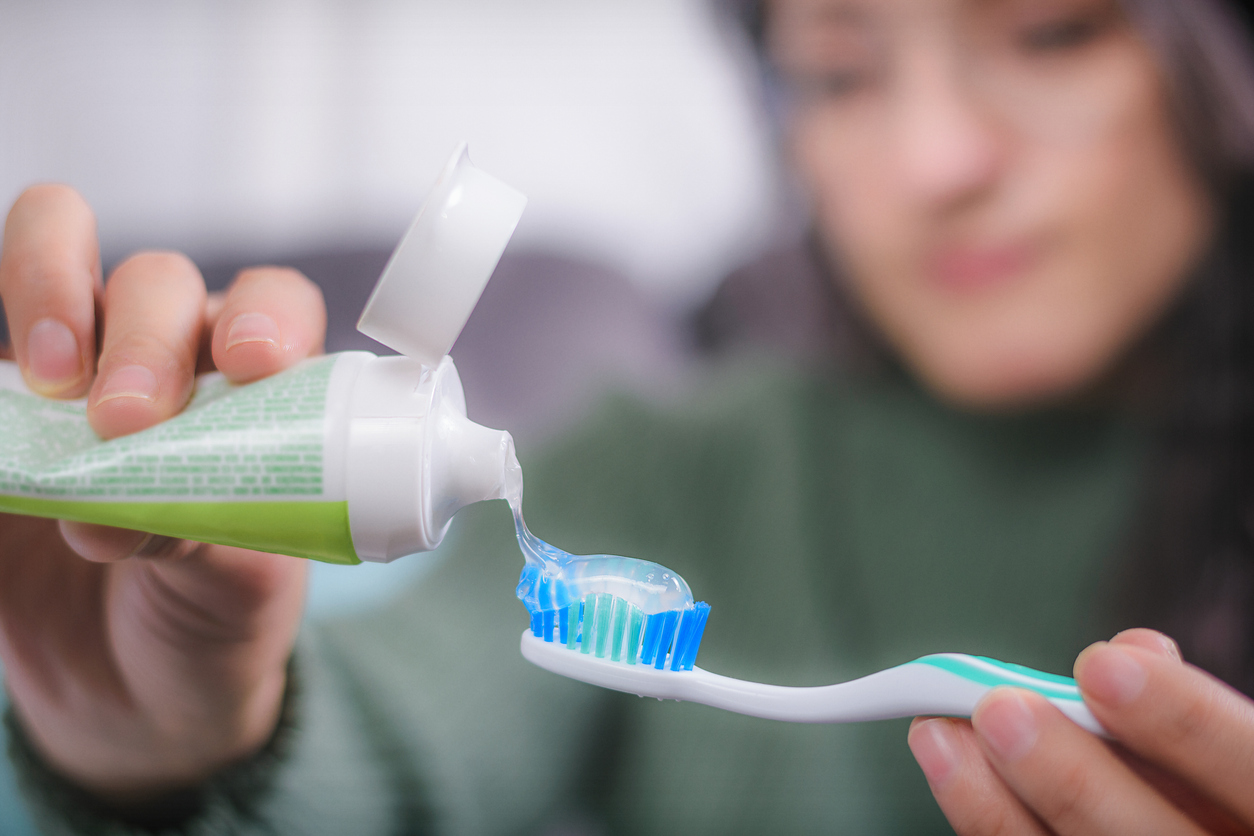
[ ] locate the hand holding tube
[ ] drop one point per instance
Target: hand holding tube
(151, 663)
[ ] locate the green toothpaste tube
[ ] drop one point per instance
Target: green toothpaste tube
(342, 458)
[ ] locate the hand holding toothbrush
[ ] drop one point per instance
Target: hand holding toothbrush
(137, 664)
(1028, 761)
(1183, 760)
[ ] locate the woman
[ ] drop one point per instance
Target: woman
(963, 180)
(1036, 208)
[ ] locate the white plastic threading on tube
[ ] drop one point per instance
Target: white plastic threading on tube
(386, 487)
(439, 270)
(413, 456)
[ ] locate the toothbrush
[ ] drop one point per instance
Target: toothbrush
(941, 684)
(631, 625)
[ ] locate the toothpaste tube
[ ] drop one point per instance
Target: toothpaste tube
(342, 458)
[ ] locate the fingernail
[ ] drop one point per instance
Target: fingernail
(158, 547)
(251, 328)
(935, 747)
(1158, 642)
(52, 355)
(1112, 676)
(129, 382)
(1008, 724)
(1169, 646)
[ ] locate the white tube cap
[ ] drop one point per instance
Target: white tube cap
(439, 270)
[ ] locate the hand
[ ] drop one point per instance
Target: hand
(137, 664)
(1183, 761)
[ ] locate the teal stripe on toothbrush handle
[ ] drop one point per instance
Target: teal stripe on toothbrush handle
(991, 672)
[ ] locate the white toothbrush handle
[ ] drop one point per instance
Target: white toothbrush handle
(904, 691)
(908, 690)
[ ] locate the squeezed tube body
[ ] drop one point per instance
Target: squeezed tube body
(343, 458)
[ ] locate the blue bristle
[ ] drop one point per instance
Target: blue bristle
(691, 626)
(668, 639)
(701, 613)
(686, 620)
(668, 634)
(683, 634)
(581, 632)
(652, 633)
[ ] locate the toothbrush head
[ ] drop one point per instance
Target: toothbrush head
(607, 627)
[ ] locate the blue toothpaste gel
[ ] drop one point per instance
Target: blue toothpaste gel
(553, 579)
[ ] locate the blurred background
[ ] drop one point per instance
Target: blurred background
(254, 128)
(306, 133)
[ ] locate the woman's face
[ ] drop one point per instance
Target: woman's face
(1000, 180)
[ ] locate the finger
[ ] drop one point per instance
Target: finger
(272, 317)
(203, 643)
(153, 313)
(1150, 640)
(214, 303)
(971, 795)
(1176, 716)
(1185, 797)
(244, 604)
(50, 280)
(106, 544)
(1065, 775)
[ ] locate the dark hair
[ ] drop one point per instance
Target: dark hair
(1189, 567)
(1190, 571)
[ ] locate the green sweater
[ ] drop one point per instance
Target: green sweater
(836, 527)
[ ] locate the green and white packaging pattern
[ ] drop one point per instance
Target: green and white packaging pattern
(244, 466)
(342, 458)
